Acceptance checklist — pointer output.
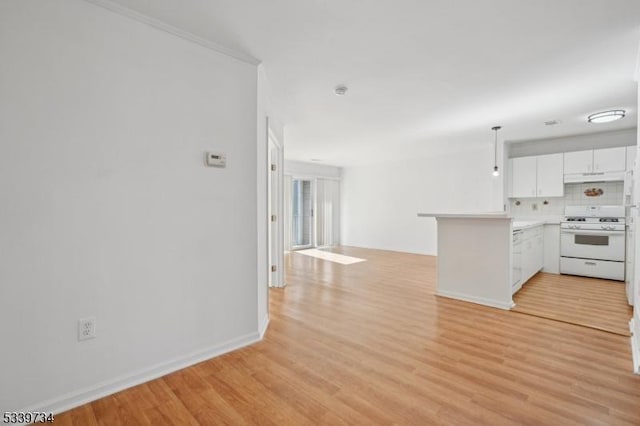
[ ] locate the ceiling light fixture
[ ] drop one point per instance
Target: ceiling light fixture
(341, 90)
(606, 116)
(496, 172)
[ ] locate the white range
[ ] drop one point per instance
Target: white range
(592, 242)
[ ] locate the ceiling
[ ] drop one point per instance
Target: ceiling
(425, 77)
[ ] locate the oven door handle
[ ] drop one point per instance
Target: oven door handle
(592, 232)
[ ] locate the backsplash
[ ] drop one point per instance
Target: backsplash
(573, 196)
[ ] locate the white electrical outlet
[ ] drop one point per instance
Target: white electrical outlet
(86, 328)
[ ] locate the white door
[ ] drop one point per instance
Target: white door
(524, 177)
(610, 159)
(272, 205)
(578, 162)
(550, 175)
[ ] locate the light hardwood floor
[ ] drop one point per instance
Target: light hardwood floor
(590, 302)
(369, 343)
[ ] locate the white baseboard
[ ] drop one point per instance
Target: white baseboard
(100, 390)
(479, 300)
(635, 347)
(264, 324)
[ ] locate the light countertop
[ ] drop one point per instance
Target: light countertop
(547, 220)
(488, 215)
(519, 225)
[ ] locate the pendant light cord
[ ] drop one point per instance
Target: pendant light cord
(495, 146)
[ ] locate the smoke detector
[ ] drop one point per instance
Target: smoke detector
(341, 90)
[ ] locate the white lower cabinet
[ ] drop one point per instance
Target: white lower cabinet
(551, 248)
(531, 254)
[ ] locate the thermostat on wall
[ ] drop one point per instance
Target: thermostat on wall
(216, 159)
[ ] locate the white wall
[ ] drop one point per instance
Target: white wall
(107, 209)
(302, 169)
(380, 203)
(262, 213)
(573, 143)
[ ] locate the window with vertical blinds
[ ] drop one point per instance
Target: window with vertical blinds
(327, 212)
(306, 210)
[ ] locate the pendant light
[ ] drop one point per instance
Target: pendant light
(496, 172)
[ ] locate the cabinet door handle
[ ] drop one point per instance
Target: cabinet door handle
(590, 263)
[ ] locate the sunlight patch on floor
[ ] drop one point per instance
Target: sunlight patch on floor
(331, 257)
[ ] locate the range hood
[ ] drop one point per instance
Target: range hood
(594, 177)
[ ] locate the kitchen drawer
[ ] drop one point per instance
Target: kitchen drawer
(592, 268)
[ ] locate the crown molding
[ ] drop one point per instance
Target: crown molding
(163, 26)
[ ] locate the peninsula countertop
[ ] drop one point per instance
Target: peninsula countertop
(517, 223)
(488, 215)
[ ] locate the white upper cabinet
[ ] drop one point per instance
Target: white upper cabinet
(595, 161)
(550, 175)
(524, 177)
(610, 159)
(539, 176)
(631, 156)
(578, 162)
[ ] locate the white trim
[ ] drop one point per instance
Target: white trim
(277, 189)
(264, 324)
(479, 300)
(140, 17)
(311, 177)
(635, 348)
(109, 387)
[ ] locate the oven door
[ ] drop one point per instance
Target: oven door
(592, 244)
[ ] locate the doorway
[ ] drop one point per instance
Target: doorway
(275, 229)
(302, 214)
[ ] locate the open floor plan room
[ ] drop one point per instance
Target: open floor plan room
(370, 343)
(294, 212)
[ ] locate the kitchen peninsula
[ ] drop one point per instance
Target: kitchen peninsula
(475, 256)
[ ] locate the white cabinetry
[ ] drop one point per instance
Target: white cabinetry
(578, 162)
(595, 161)
(530, 254)
(610, 159)
(524, 176)
(550, 175)
(552, 248)
(538, 176)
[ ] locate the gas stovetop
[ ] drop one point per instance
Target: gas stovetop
(594, 217)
